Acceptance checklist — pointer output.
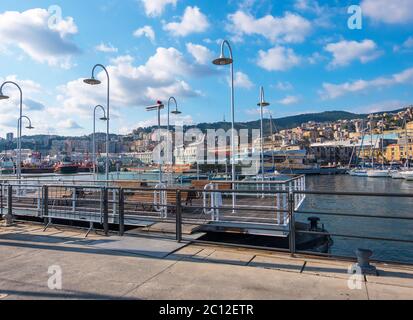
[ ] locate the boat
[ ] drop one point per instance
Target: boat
(190, 178)
(6, 166)
(66, 166)
(408, 176)
(396, 174)
(378, 173)
(358, 172)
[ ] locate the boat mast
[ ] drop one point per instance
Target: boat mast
(382, 143)
(272, 139)
(407, 164)
(372, 146)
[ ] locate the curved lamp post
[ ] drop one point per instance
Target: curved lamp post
(19, 129)
(93, 81)
(262, 104)
(104, 118)
(223, 61)
(158, 107)
(175, 112)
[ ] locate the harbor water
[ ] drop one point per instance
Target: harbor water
(335, 224)
(367, 227)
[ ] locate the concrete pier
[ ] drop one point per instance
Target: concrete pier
(146, 268)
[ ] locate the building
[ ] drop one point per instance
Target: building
(397, 152)
(144, 157)
(10, 137)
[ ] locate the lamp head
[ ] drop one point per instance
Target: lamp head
(3, 97)
(176, 112)
(222, 61)
(264, 104)
(92, 81)
(158, 105)
(104, 118)
(30, 127)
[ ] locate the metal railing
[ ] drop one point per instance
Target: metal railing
(280, 212)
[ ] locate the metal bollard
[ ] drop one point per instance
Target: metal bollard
(363, 262)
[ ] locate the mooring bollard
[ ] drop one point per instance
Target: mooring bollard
(363, 262)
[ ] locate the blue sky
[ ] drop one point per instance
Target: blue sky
(301, 51)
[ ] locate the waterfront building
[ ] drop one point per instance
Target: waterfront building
(144, 157)
(9, 137)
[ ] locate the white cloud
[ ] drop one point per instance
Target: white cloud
(332, 91)
(163, 75)
(284, 86)
(391, 12)
(193, 21)
(278, 59)
(201, 54)
(69, 125)
(241, 80)
(30, 31)
(154, 8)
(146, 31)
(311, 6)
(382, 106)
(291, 28)
(344, 52)
(289, 100)
(182, 119)
(32, 105)
(108, 48)
(405, 46)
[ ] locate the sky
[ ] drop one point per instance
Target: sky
(303, 52)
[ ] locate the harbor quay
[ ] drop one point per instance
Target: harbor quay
(180, 150)
(134, 267)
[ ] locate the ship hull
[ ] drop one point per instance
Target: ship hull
(67, 170)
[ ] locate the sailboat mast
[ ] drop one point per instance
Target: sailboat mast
(406, 143)
(372, 146)
(382, 144)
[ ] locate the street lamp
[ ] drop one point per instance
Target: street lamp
(223, 61)
(93, 81)
(262, 104)
(175, 112)
(19, 129)
(104, 118)
(158, 107)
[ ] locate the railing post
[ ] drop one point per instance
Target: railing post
(45, 203)
(106, 211)
(178, 216)
(121, 207)
(9, 216)
(291, 206)
(1, 200)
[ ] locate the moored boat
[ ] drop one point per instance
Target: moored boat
(378, 173)
(66, 166)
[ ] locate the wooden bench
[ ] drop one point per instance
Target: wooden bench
(200, 184)
(146, 198)
(131, 184)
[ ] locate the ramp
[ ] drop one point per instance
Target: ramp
(142, 246)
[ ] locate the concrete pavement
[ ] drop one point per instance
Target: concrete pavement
(100, 268)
